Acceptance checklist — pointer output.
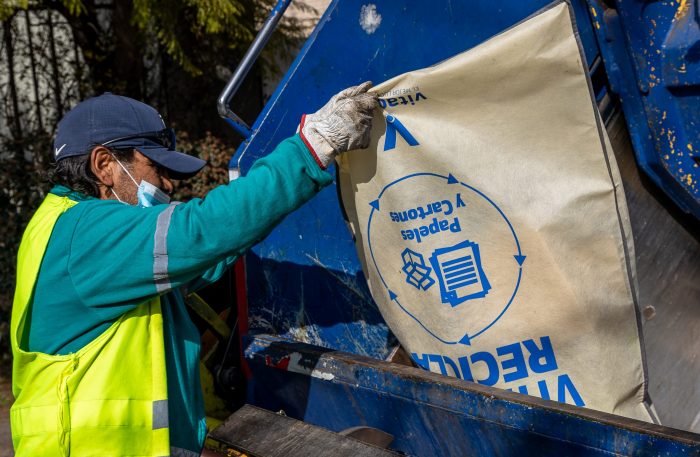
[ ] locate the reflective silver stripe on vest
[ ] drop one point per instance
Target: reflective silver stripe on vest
(179, 452)
(160, 414)
(160, 249)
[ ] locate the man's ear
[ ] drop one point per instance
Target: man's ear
(102, 165)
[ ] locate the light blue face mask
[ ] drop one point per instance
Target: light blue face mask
(146, 193)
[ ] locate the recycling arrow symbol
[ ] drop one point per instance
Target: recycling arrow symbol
(518, 256)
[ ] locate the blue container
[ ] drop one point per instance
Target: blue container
(305, 282)
(651, 52)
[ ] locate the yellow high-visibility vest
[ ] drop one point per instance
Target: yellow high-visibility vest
(110, 398)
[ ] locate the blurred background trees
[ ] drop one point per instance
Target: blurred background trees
(175, 55)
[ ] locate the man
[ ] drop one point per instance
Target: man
(105, 355)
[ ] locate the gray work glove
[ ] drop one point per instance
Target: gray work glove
(343, 124)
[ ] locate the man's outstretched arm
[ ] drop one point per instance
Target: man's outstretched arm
(145, 251)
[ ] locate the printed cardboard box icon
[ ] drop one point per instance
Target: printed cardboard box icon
(491, 222)
(417, 272)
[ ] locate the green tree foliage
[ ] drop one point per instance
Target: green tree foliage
(207, 18)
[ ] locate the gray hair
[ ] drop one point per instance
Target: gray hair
(75, 173)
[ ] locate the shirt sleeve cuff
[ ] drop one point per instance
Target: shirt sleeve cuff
(308, 144)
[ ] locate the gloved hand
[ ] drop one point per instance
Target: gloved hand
(343, 124)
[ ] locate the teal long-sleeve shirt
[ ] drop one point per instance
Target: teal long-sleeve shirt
(104, 258)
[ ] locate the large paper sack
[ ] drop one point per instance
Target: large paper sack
(492, 226)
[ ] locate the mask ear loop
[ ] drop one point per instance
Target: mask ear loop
(125, 171)
(111, 189)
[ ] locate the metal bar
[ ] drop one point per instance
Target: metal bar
(244, 67)
(238, 124)
(239, 269)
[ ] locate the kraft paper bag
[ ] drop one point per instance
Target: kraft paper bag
(491, 222)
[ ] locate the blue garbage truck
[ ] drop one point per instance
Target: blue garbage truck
(304, 345)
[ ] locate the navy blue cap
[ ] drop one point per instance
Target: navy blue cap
(110, 117)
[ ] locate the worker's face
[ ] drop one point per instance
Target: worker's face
(141, 168)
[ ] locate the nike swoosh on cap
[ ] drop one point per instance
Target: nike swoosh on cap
(58, 150)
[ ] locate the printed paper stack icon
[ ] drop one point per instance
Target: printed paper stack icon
(459, 272)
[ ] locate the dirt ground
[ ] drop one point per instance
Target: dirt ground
(5, 403)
